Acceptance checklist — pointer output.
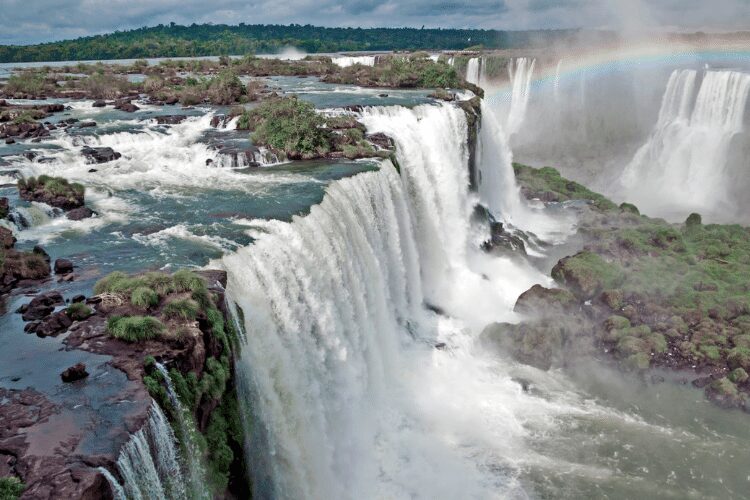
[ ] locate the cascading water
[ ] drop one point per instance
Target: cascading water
(192, 452)
(149, 463)
(340, 355)
(684, 161)
(520, 71)
(474, 70)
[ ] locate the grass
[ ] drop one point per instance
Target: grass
(134, 328)
(79, 311)
(549, 180)
(185, 309)
(144, 297)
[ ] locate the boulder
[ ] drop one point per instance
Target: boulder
(53, 325)
(63, 266)
(4, 207)
(100, 155)
(80, 213)
(41, 306)
(86, 124)
(540, 301)
(99, 103)
(170, 119)
(126, 106)
(75, 372)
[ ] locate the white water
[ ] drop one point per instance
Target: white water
(520, 70)
(149, 463)
(345, 61)
(682, 167)
(356, 400)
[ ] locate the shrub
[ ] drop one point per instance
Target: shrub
(10, 488)
(693, 220)
(28, 82)
(290, 125)
(79, 311)
(105, 86)
(134, 328)
(225, 88)
(186, 309)
(186, 280)
(144, 297)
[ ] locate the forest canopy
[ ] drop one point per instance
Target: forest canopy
(174, 40)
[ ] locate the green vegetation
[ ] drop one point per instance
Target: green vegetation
(134, 328)
(11, 488)
(291, 126)
(398, 71)
(186, 309)
(218, 39)
(144, 297)
(548, 185)
(54, 191)
(79, 311)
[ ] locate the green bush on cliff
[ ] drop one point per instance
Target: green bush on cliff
(79, 311)
(186, 309)
(144, 297)
(11, 488)
(134, 328)
(548, 180)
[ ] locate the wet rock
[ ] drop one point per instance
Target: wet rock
(541, 301)
(39, 250)
(75, 372)
(54, 324)
(41, 306)
(99, 104)
(170, 119)
(219, 121)
(80, 213)
(171, 100)
(78, 298)
(503, 240)
(100, 154)
(10, 140)
(86, 124)
(126, 106)
(63, 266)
(4, 207)
(380, 140)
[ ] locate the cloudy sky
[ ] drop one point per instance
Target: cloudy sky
(31, 21)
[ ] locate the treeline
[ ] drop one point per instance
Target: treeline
(212, 40)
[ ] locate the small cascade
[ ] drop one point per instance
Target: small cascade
(34, 215)
(520, 71)
(191, 450)
(556, 83)
(685, 160)
(248, 158)
(149, 463)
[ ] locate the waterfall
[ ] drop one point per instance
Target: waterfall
(556, 83)
(520, 71)
(149, 463)
(474, 70)
(34, 215)
(684, 161)
(339, 357)
(191, 450)
(345, 61)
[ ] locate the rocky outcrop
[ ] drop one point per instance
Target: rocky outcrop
(170, 119)
(18, 269)
(74, 373)
(473, 110)
(100, 154)
(54, 191)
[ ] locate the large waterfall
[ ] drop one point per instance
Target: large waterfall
(341, 354)
(684, 162)
(474, 70)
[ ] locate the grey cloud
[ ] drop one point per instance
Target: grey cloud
(30, 21)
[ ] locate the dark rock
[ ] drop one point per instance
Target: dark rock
(170, 119)
(209, 161)
(63, 266)
(7, 240)
(171, 100)
(92, 170)
(42, 306)
(440, 346)
(540, 301)
(500, 239)
(80, 213)
(380, 140)
(86, 124)
(10, 140)
(78, 298)
(100, 155)
(99, 104)
(75, 372)
(128, 107)
(54, 324)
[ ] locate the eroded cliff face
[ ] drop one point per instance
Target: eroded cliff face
(57, 456)
(473, 110)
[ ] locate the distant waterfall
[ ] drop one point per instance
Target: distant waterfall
(149, 463)
(474, 70)
(556, 83)
(683, 164)
(520, 71)
(345, 61)
(356, 401)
